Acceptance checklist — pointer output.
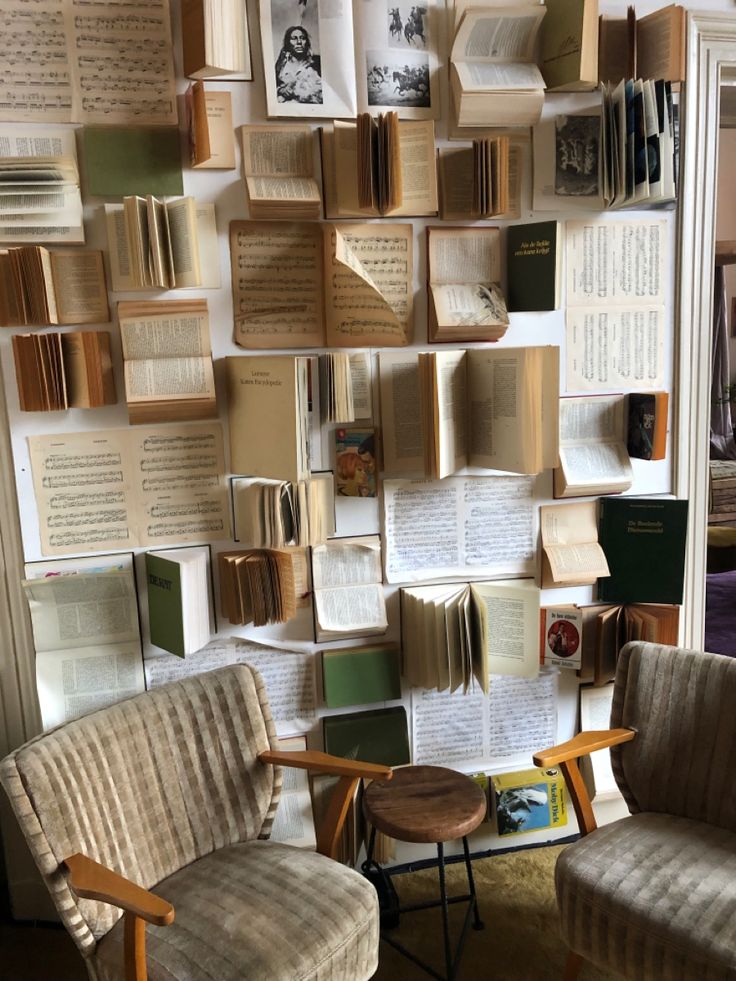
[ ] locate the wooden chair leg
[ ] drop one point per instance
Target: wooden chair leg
(572, 967)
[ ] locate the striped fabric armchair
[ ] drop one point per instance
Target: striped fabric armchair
(652, 897)
(176, 790)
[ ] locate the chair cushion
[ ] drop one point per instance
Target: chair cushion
(258, 910)
(652, 897)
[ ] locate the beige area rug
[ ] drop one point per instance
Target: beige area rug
(521, 940)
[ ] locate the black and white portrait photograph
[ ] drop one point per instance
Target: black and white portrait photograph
(407, 26)
(295, 28)
(577, 155)
(396, 79)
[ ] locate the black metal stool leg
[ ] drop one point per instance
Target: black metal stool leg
(477, 922)
(371, 846)
(445, 909)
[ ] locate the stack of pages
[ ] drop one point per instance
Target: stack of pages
(61, 371)
(38, 287)
(257, 586)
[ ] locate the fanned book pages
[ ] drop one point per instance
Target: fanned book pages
(301, 284)
(41, 287)
(210, 128)
(571, 552)
(216, 41)
(644, 47)
(477, 182)
(465, 300)
(276, 513)
(40, 200)
(261, 586)
(279, 172)
(348, 593)
(593, 457)
(63, 371)
(495, 409)
(178, 588)
(94, 63)
(167, 360)
(329, 62)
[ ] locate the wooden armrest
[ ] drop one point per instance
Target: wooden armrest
(310, 759)
(90, 880)
(581, 745)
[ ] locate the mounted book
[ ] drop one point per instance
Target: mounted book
(63, 371)
(215, 40)
(446, 410)
(347, 579)
(561, 636)
(261, 585)
(38, 287)
(179, 597)
(375, 736)
(482, 180)
(465, 300)
(210, 128)
(593, 457)
(276, 513)
(644, 47)
(571, 553)
(360, 675)
(568, 45)
(122, 160)
(279, 172)
(528, 800)
(533, 266)
(344, 383)
(647, 425)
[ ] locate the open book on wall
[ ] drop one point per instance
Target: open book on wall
(279, 172)
(447, 410)
(261, 585)
(210, 128)
(593, 457)
(215, 40)
(644, 47)
(347, 580)
(63, 371)
(275, 513)
(465, 301)
(571, 552)
(302, 284)
(480, 182)
(38, 287)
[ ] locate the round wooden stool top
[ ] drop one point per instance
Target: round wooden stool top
(425, 804)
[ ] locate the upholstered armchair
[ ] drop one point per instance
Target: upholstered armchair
(175, 791)
(653, 895)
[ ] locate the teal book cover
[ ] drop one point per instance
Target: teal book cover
(643, 539)
(165, 613)
(532, 267)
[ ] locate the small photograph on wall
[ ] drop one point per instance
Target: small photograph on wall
(398, 79)
(577, 155)
(407, 26)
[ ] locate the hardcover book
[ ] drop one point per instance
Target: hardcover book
(528, 800)
(533, 266)
(376, 736)
(178, 587)
(359, 675)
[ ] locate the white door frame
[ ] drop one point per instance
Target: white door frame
(711, 54)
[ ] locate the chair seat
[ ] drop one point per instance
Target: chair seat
(252, 911)
(652, 896)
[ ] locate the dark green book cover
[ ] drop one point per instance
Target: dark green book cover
(360, 675)
(165, 613)
(376, 736)
(532, 267)
(644, 542)
(122, 160)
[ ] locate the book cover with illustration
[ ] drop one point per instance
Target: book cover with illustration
(355, 462)
(561, 636)
(528, 800)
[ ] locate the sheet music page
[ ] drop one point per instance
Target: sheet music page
(277, 278)
(35, 78)
(621, 349)
(523, 714)
(458, 528)
(449, 728)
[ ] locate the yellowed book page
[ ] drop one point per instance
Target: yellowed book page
(181, 217)
(164, 329)
(570, 541)
(278, 150)
(464, 255)
(451, 410)
(495, 384)
(402, 431)
(418, 169)
(456, 176)
(277, 284)
(79, 285)
(660, 44)
(218, 105)
(509, 611)
(162, 379)
(344, 157)
(35, 88)
(369, 291)
(550, 426)
(122, 62)
(118, 249)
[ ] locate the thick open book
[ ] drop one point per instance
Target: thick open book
(260, 586)
(447, 410)
(480, 181)
(465, 301)
(215, 39)
(593, 457)
(179, 596)
(276, 513)
(347, 580)
(301, 284)
(210, 128)
(279, 172)
(345, 386)
(644, 47)
(167, 360)
(494, 80)
(63, 371)
(392, 161)
(454, 633)
(38, 287)
(571, 553)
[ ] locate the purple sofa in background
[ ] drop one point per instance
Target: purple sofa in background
(720, 612)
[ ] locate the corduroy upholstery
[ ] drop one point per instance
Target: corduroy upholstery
(166, 789)
(653, 895)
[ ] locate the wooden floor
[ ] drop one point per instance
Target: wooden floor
(38, 953)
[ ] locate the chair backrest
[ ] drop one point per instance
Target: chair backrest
(683, 759)
(146, 786)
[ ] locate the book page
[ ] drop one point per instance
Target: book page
(621, 349)
(509, 612)
(162, 379)
(418, 169)
(480, 76)
(369, 285)
(277, 151)
(308, 58)
(34, 87)
(464, 255)
(498, 418)
(450, 383)
(361, 380)
(591, 419)
(219, 119)
(595, 715)
(164, 329)
(277, 283)
(350, 609)
(459, 527)
(181, 218)
(79, 287)
(294, 821)
(449, 728)
(660, 44)
(346, 562)
(401, 412)
(570, 542)
(504, 34)
(616, 263)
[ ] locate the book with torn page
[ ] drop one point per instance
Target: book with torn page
(276, 513)
(494, 80)
(568, 45)
(482, 181)
(210, 128)
(167, 360)
(593, 457)
(347, 579)
(63, 371)
(595, 715)
(372, 168)
(279, 172)
(178, 585)
(162, 245)
(453, 635)
(215, 40)
(571, 552)
(86, 634)
(446, 410)
(39, 287)
(465, 300)
(301, 284)
(643, 47)
(261, 585)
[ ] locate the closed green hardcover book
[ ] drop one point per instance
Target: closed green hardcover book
(165, 613)
(644, 542)
(122, 160)
(533, 267)
(376, 736)
(360, 675)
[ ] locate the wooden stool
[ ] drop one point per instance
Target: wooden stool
(429, 804)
